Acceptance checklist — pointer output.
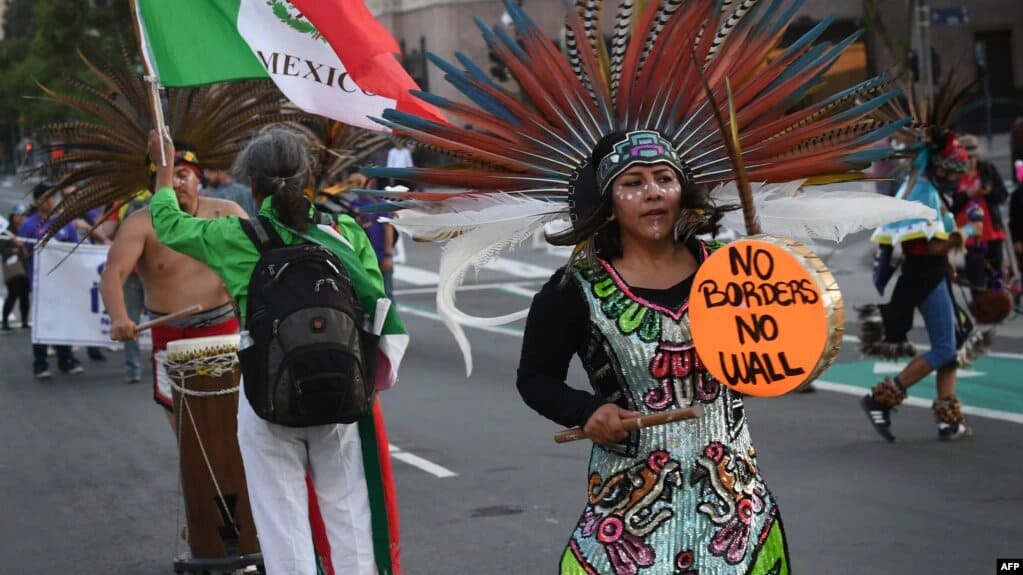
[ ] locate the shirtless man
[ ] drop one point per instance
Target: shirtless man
(170, 280)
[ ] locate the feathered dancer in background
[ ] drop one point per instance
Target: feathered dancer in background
(104, 155)
(936, 161)
(533, 151)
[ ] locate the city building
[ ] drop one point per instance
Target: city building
(992, 33)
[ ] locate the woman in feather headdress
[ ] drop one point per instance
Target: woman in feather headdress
(623, 147)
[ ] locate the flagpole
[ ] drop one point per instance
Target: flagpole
(155, 107)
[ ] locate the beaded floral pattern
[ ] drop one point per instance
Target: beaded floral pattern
(686, 498)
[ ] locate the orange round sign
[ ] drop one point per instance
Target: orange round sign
(766, 315)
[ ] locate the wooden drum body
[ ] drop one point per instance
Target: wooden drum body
(205, 375)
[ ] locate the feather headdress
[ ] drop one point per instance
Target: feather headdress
(671, 64)
(340, 148)
(105, 155)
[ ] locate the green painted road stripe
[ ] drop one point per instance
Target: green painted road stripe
(991, 383)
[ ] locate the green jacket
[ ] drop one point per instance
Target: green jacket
(223, 245)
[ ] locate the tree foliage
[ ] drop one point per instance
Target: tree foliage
(40, 43)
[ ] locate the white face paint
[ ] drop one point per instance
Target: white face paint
(647, 200)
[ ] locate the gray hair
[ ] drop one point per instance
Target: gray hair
(279, 164)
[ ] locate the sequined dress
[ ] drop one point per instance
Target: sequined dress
(680, 499)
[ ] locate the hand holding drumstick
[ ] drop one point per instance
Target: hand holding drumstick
(127, 330)
(604, 429)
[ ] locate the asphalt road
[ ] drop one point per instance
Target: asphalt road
(88, 465)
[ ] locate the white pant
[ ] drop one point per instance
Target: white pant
(275, 460)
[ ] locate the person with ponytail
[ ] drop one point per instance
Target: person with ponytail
(358, 514)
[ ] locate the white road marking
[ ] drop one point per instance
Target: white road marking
(918, 402)
(517, 288)
(434, 316)
(921, 346)
(422, 277)
(518, 269)
(883, 367)
(415, 276)
(416, 461)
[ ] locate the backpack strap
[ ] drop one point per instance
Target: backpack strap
(323, 219)
(262, 233)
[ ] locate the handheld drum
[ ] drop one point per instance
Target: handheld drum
(205, 377)
(766, 315)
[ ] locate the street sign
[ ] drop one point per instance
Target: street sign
(950, 16)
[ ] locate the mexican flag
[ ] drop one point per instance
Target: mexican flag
(347, 72)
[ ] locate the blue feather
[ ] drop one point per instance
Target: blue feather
(491, 105)
(412, 121)
(808, 38)
(862, 109)
(881, 133)
(868, 156)
(787, 16)
(512, 45)
(475, 71)
(447, 67)
(875, 81)
(799, 65)
(764, 23)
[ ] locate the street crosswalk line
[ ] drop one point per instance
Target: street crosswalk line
(518, 269)
(423, 464)
(415, 276)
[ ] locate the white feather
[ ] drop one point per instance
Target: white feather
(477, 228)
(819, 214)
(439, 221)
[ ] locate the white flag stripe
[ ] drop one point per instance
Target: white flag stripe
(306, 69)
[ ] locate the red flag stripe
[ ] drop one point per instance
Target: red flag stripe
(367, 50)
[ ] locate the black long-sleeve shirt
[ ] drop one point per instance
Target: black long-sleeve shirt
(556, 329)
(1016, 214)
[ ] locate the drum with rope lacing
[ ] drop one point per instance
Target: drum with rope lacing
(205, 376)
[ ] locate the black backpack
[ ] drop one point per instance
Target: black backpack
(310, 361)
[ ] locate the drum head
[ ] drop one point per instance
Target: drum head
(766, 315)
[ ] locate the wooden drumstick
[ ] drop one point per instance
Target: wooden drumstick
(632, 424)
(185, 312)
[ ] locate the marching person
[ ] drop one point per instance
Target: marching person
(170, 280)
(923, 285)
(223, 186)
(640, 265)
(278, 166)
(1016, 219)
(15, 274)
(982, 187)
(34, 227)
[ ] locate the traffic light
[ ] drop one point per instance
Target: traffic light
(497, 68)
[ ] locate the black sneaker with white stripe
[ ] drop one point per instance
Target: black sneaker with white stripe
(879, 416)
(953, 431)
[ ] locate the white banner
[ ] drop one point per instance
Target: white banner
(66, 305)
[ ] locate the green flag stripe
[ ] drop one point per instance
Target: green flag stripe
(374, 484)
(196, 42)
